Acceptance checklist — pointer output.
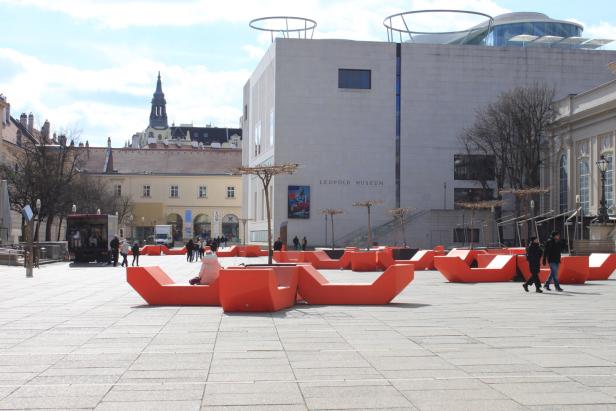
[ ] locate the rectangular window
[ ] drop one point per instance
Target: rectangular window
(118, 190)
(230, 192)
(174, 192)
(474, 167)
(471, 195)
(257, 139)
(146, 191)
(353, 78)
(202, 191)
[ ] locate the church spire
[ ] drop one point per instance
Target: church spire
(158, 114)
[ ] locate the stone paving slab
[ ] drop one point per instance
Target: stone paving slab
(78, 337)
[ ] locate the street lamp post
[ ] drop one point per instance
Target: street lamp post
(603, 165)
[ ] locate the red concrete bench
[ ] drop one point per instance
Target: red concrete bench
(363, 260)
(468, 256)
(316, 289)
(173, 251)
(454, 269)
(258, 289)
(320, 260)
(572, 269)
(601, 266)
(157, 288)
(228, 252)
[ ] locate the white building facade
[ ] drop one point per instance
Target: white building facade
(381, 121)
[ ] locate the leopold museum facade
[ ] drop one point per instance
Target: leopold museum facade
(381, 121)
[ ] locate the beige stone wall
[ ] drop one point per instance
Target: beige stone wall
(156, 208)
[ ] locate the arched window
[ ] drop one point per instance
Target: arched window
(563, 203)
(584, 184)
(176, 222)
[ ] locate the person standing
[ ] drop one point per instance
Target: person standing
(296, 243)
(115, 249)
(124, 252)
(278, 245)
(189, 251)
(551, 256)
(135, 251)
(533, 256)
(304, 243)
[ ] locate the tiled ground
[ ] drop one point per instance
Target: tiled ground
(80, 337)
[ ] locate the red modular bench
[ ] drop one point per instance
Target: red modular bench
(157, 288)
(454, 269)
(468, 256)
(227, 252)
(572, 269)
(320, 260)
(148, 250)
(424, 259)
(601, 266)
(316, 289)
(173, 251)
(267, 288)
(363, 260)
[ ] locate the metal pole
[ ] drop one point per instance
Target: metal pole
(603, 209)
(325, 215)
(369, 229)
(29, 249)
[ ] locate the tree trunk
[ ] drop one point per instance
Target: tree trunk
(333, 242)
(48, 225)
(61, 220)
(269, 224)
(37, 227)
(403, 233)
(369, 230)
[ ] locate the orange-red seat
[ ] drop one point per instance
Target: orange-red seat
(601, 266)
(424, 259)
(385, 259)
(316, 289)
(320, 260)
(267, 288)
(363, 260)
(289, 256)
(157, 288)
(468, 256)
(501, 268)
(483, 260)
(173, 251)
(227, 252)
(573, 270)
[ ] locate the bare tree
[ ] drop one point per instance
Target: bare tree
(368, 205)
(265, 174)
(512, 130)
(331, 212)
(524, 197)
(39, 170)
(400, 214)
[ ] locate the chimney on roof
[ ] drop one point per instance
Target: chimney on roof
(7, 110)
(88, 148)
(30, 123)
(45, 130)
(80, 144)
(109, 142)
(23, 119)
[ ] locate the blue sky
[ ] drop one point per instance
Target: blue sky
(90, 66)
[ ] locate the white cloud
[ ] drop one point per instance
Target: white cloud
(194, 93)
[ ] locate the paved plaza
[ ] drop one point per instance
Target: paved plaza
(80, 337)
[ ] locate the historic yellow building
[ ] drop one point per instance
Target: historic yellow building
(194, 190)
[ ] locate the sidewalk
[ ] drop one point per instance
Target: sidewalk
(80, 337)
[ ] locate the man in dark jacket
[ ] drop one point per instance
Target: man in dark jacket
(533, 256)
(551, 256)
(278, 245)
(115, 249)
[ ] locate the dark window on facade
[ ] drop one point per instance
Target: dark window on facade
(465, 235)
(474, 167)
(471, 195)
(353, 78)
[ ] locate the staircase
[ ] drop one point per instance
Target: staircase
(381, 233)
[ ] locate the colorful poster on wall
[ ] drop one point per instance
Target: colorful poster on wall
(299, 202)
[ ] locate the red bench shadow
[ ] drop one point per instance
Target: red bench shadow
(316, 289)
(157, 288)
(258, 288)
(601, 266)
(454, 269)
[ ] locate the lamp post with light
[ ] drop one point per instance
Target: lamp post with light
(603, 166)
